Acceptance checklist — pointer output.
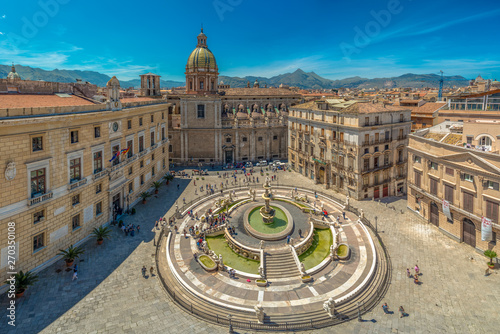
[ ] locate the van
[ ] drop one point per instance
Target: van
(263, 162)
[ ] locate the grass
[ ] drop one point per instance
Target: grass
(279, 224)
(319, 249)
(219, 245)
(342, 250)
(207, 261)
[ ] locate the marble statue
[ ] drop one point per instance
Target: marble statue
(221, 262)
(302, 268)
(261, 245)
(261, 272)
(329, 307)
(259, 312)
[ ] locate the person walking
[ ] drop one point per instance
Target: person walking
(75, 274)
(343, 213)
(402, 311)
(288, 239)
(151, 271)
(300, 233)
(417, 270)
(385, 308)
(138, 228)
(408, 274)
(144, 271)
(178, 187)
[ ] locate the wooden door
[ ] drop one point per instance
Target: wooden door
(434, 214)
(469, 233)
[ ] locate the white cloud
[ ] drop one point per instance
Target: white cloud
(2, 33)
(4, 16)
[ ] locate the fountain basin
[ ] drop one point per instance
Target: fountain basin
(281, 226)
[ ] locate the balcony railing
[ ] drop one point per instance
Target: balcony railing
(118, 166)
(143, 153)
(76, 184)
(40, 198)
(381, 182)
(99, 174)
(367, 170)
(376, 142)
(402, 137)
(154, 146)
(164, 141)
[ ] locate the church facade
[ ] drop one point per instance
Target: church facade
(212, 123)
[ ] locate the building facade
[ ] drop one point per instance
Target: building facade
(356, 148)
(73, 165)
(214, 123)
(454, 177)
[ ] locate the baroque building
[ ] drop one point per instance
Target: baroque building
(212, 123)
(357, 148)
(70, 164)
(454, 177)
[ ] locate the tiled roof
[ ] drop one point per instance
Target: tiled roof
(8, 101)
(427, 108)
(138, 99)
(258, 92)
(352, 106)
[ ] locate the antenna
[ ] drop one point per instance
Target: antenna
(440, 94)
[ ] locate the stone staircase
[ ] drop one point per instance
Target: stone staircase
(280, 264)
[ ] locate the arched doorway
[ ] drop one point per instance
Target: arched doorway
(469, 234)
(434, 214)
(321, 177)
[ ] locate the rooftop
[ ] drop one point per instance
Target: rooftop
(8, 101)
(350, 106)
(258, 92)
(427, 108)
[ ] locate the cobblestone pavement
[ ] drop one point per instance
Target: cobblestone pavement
(111, 296)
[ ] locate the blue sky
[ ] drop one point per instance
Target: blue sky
(335, 39)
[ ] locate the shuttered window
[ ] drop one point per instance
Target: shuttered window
(448, 193)
(433, 186)
(492, 211)
(468, 202)
(418, 179)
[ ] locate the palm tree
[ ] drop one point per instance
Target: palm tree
(156, 185)
(168, 178)
(144, 196)
(71, 254)
(22, 281)
(101, 233)
(491, 254)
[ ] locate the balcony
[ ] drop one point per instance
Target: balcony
(118, 165)
(400, 162)
(402, 137)
(154, 146)
(164, 141)
(76, 184)
(374, 169)
(40, 198)
(376, 142)
(381, 182)
(142, 153)
(100, 174)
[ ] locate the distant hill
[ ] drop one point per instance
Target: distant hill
(299, 78)
(311, 80)
(96, 78)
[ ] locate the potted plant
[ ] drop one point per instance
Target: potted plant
(156, 185)
(101, 233)
(22, 280)
(144, 196)
(168, 178)
(132, 211)
(71, 254)
(261, 282)
(491, 254)
(306, 278)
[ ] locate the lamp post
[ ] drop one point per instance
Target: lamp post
(376, 218)
(229, 316)
(359, 313)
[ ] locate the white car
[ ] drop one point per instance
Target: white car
(249, 164)
(263, 163)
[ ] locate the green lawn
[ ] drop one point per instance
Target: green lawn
(319, 249)
(279, 224)
(219, 245)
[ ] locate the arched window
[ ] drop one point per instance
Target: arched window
(485, 141)
(202, 86)
(190, 85)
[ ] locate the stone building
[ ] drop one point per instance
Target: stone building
(211, 123)
(65, 168)
(454, 177)
(150, 85)
(357, 148)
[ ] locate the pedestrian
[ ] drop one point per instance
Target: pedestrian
(343, 213)
(415, 279)
(300, 233)
(185, 234)
(408, 274)
(151, 271)
(138, 228)
(385, 308)
(144, 271)
(402, 311)
(417, 270)
(75, 273)
(338, 218)
(178, 187)
(288, 239)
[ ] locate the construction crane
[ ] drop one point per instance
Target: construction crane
(440, 95)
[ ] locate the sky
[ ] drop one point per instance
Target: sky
(335, 39)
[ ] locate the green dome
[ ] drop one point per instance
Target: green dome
(201, 57)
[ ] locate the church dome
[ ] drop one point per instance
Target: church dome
(201, 57)
(13, 74)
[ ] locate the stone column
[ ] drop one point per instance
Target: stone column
(237, 148)
(252, 145)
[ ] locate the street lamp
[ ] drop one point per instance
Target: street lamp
(359, 313)
(229, 316)
(376, 218)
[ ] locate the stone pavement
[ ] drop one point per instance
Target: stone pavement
(111, 296)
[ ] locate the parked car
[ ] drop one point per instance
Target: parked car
(263, 163)
(249, 164)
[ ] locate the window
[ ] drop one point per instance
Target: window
(98, 188)
(141, 164)
(142, 179)
(152, 118)
(38, 241)
(152, 134)
(152, 171)
(37, 182)
(116, 149)
(401, 118)
(492, 185)
(448, 193)
(97, 162)
(163, 150)
(434, 165)
(130, 170)
(400, 156)
(164, 163)
(228, 140)
(75, 199)
(259, 139)
(130, 187)
(75, 222)
(97, 132)
(366, 164)
(492, 211)
(74, 136)
(468, 177)
(418, 179)
(244, 139)
(386, 159)
(386, 147)
(170, 148)
(130, 148)
(367, 120)
(485, 141)
(367, 150)
(469, 140)
(201, 111)
(417, 159)
(449, 171)
(468, 202)
(162, 115)
(98, 209)
(129, 124)
(162, 133)
(275, 137)
(140, 121)
(37, 143)
(433, 186)
(38, 216)
(375, 149)
(375, 162)
(141, 143)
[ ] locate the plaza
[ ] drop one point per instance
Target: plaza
(112, 296)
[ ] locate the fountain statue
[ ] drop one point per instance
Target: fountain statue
(329, 307)
(266, 211)
(259, 312)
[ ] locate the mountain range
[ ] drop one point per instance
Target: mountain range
(299, 78)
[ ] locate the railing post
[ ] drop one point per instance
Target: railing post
(191, 307)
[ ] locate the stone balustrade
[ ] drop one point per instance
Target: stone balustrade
(239, 248)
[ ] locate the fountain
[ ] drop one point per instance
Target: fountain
(266, 211)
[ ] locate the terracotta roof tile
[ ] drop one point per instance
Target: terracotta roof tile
(427, 108)
(8, 101)
(259, 91)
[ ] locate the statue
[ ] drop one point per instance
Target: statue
(253, 195)
(329, 307)
(10, 171)
(347, 201)
(259, 312)
(221, 263)
(305, 199)
(302, 268)
(261, 272)
(230, 197)
(261, 244)
(362, 214)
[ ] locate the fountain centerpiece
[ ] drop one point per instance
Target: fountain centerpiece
(266, 211)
